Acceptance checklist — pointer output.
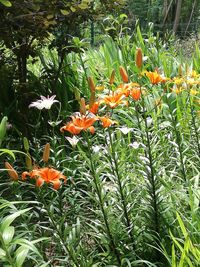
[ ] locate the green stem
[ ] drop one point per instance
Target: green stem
(83, 65)
(59, 233)
(151, 175)
(115, 170)
(195, 127)
(37, 124)
(98, 190)
(152, 179)
(178, 141)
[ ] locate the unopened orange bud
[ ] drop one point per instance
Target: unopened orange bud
(123, 74)
(82, 106)
(112, 77)
(180, 72)
(92, 99)
(12, 173)
(138, 58)
(46, 152)
(91, 84)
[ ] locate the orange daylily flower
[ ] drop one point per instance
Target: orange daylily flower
(94, 108)
(135, 93)
(114, 100)
(106, 122)
(155, 77)
(126, 88)
(48, 175)
(80, 123)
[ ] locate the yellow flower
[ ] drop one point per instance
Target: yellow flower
(177, 89)
(193, 92)
(178, 81)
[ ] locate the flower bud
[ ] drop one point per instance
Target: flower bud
(92, 99)
(180, 72)
(28, 161)
(91, 84)
(82, 106)
(3, 125)
(138, 58)
(77, 94)
(112, 77)
(12, 173)
(26, 144)
(46, 152)
(123, 74)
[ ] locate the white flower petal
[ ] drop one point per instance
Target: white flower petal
(44, 102)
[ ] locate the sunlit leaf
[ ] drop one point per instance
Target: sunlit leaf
(8, 234)
(10, 218)
(21, 254)
(64, 12)
(6, 3)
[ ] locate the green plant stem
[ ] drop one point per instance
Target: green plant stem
(115, 170)
(83, 65)
(37, 122)
(98, 190)
(138, 120)
(178, 141)
(65, 248)
(151, 175)
(152, 179)
(194, 126)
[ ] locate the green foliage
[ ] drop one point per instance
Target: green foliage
(127, 183)
(14, 249)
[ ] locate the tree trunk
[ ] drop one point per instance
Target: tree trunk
(191, 14)
(166, 10)
(177, 16)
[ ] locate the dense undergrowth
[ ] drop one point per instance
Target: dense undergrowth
(109, 172)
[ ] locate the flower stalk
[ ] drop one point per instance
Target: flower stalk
(115, 170)
(101, 205)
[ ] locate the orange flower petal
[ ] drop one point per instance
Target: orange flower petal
(39, 182)
(106, 122)
(24, 175)
(135, 93)
(56, 184)
(92, 129)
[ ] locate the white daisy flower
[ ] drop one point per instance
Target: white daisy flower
(44, 102)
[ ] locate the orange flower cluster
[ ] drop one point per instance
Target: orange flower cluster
(116, 96)
(83, 123)
(48, 175)
(41, 175)
(80, 123)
